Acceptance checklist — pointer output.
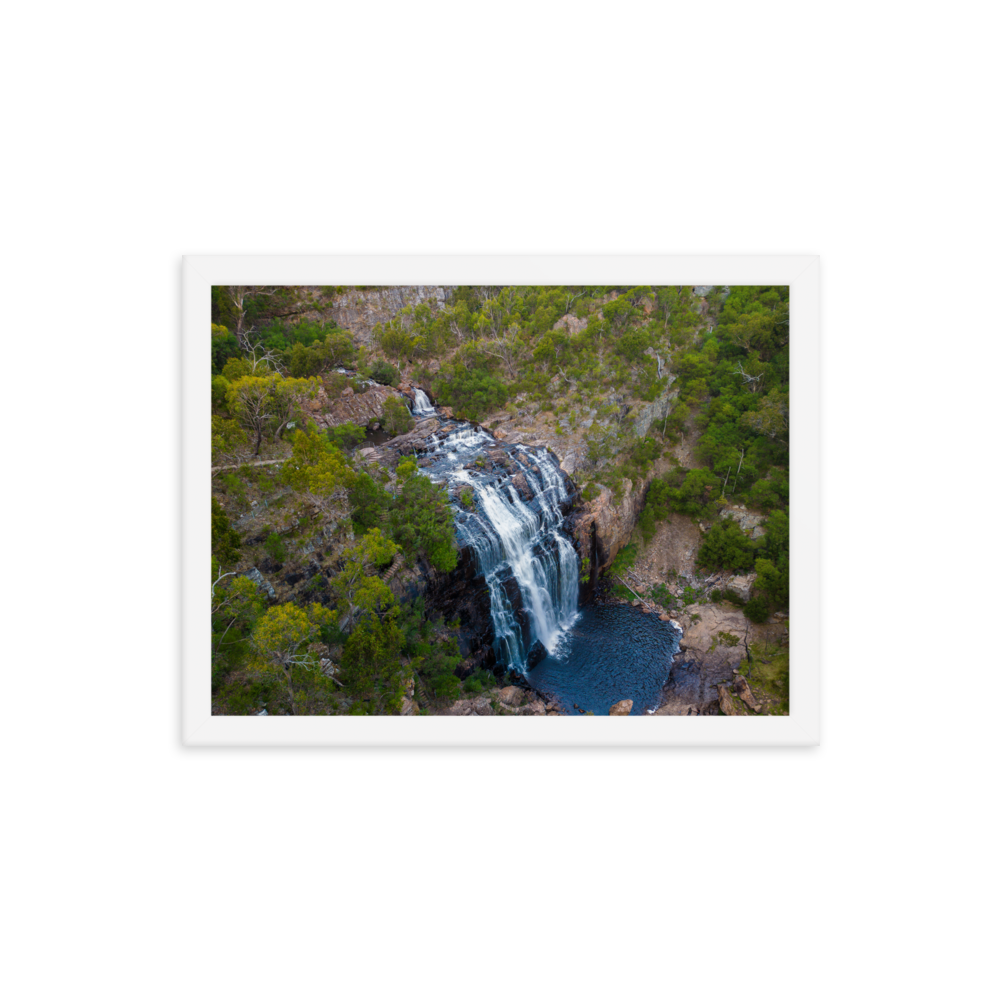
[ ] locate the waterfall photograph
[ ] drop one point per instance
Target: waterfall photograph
(500, 500)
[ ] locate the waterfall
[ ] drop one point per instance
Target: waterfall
(528, 562)
(421, 404)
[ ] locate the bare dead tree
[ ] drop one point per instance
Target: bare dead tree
(264, 360)
(219, 579)
(740, 466)
(752, 382)
(238, 295)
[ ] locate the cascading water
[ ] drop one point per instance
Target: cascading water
(529, 564)
(421, 404)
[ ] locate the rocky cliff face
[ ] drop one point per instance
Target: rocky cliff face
(654, 413)
(602, 527)
(361, 310)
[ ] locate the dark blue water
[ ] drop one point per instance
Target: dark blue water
(609, 653)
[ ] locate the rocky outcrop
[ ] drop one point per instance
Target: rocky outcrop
(507, 701)
(704, 636)
(417, 440)
(603, 526)
(360, 311)
(623, 707)
(726, 705)
(740, 585)
(257, 577)
(741, 687)
(702, 290)
(535, 707)
(355, 408)
(746, 519)
(471, 706)
(571, 324)
(655, 412)
(511, 696)
(714, 643)
(536, 654)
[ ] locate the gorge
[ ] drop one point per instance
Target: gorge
(512, 504)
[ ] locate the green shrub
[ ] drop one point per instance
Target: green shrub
(383, 373)
(757, 610)
(346, 436)
(225, 541)
(233, 485)
(396, 417)
(725, 546)
(275, 547)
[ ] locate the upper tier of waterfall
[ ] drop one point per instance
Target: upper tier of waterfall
(421, 404)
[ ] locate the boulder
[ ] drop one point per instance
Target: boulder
(743, 690)
(347, 393)
(511, 696)
(572, 324)
(726, 701)
(533, 708)
(262, 584)
(482, 706)
(536, 654)
(742, 586)
(623, 707)
(521, 485)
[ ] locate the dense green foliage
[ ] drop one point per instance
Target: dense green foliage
(396, 417)
(725, 546)
(225, 541)
(372, 669)
(382, 372)
(472, 393)
(346, 436)
(422, 523)
(656, 507)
